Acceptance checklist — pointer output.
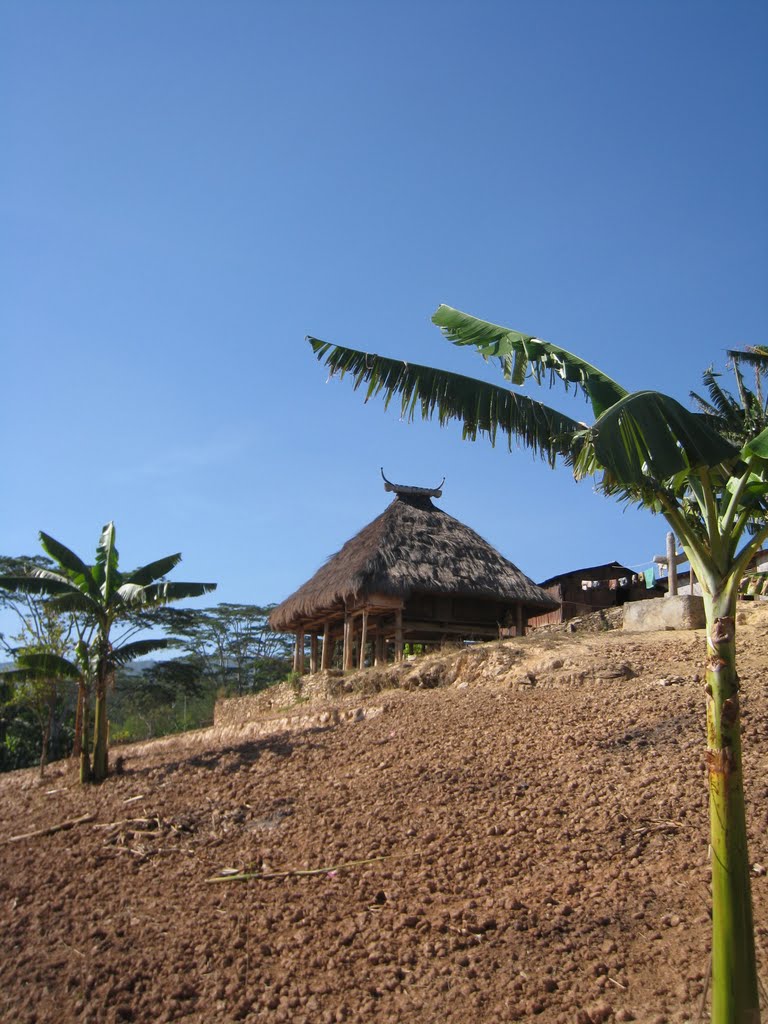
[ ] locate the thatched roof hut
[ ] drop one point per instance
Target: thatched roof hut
(415, 574)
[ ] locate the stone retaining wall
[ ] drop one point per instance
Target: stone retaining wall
(683, 611)
(247, 713)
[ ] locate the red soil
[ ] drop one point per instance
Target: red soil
(527, 851)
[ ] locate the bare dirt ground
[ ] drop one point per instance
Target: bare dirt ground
(527, 840)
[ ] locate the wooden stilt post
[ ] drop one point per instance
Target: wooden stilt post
(349, 642)
(519, 624)
(399, 634)
(327, 653)
(298, 654)
(379, 656)
(312, 653)
(363, 638)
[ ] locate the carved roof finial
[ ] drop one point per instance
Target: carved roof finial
(425, 492)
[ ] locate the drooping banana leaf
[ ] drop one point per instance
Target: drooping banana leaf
(39, 581)
(481, 408)
(650, 435)
(521, 354)
(138, 649)
(161, 593)
(153, 570)
(721, 407)
(31, 665)
(73, 600)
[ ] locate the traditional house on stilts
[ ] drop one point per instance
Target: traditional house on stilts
(415, 575)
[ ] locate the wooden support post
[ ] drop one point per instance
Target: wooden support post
(519, 623)
(349, 642)
(327, 654)
(363, 638)
(379, 656)
(672, 564)
(312, 653)
(398, 634)
(298, 654)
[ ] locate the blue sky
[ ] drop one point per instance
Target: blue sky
(188, 189)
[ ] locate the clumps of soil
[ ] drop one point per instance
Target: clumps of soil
(485, 850)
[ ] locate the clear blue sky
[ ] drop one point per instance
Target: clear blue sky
(189, 188)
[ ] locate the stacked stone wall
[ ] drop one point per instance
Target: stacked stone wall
(247, 713)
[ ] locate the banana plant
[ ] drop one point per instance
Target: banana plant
(104, 596)
(644, 447)
(754, 584)
(42, 671)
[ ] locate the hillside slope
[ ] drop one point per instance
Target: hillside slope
(530, 840)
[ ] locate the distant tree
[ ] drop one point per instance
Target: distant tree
(231, 644)
(166, 681)
(28, 608)
(159, 697)
(104, 596)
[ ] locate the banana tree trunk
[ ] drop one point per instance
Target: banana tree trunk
(77, 743)
(85, 758)
(100, 727)
(46, 740)
(735, 997)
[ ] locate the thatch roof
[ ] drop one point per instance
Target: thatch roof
(411, 547)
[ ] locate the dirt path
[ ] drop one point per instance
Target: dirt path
(533, 840)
